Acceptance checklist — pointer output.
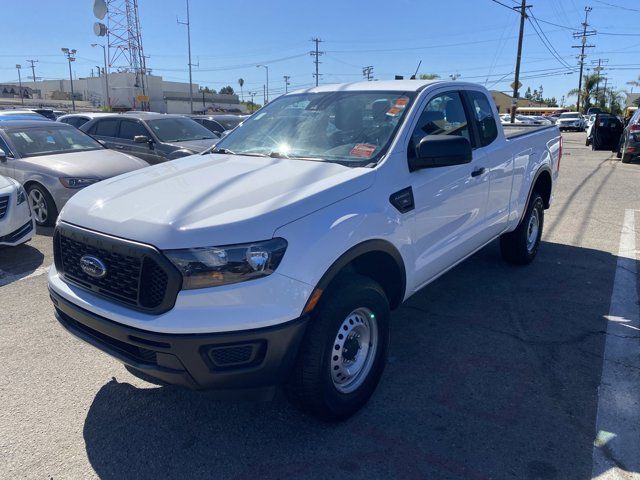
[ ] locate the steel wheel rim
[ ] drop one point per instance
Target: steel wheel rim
(354, 350)
(532, 229)
(38, 205)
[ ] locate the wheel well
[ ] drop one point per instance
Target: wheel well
(383, 269)
(543, 187)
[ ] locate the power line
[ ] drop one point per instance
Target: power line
(583, 44)
(545, 40)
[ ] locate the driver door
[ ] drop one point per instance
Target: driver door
(450, 201)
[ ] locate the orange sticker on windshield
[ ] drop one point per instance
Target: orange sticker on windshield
(363, 150)
(398, 106)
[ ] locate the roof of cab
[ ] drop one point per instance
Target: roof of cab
(385, 85)
(12, 124)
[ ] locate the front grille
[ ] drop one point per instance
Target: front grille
(4, 205)
(137, 275)
(123, 272)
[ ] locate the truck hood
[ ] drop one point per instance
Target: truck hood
(101, 163)
(196, 146)
(213, 199)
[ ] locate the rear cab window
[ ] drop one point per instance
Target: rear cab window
(106, 128)
(483, 117)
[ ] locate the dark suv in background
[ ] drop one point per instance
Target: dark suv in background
(219, 123)
(153, 137)
(629, 148)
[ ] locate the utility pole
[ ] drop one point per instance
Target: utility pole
(20, 84)
(286, 83)
(605, 91)
(583, 44)
(367, 72)
(252, 95)
(316, 54)
(516, 81)
(70, 57)
(264, 94)
(598, 69)
(33, 71)
(188, 24)
(454, 76)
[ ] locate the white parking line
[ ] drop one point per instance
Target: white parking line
(7, 278)
(616, 452)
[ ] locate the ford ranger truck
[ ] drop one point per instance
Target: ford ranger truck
(276, 257)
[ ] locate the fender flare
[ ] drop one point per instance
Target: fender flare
(346, 258)
(543, 168)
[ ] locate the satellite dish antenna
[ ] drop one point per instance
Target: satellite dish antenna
(99, 9)
(100, 29)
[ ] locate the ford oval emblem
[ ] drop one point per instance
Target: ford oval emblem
(93, 266)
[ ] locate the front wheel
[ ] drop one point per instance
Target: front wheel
(42, 205)
(521, 246)
(344, 351)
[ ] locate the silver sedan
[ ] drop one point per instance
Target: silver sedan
(54, 160)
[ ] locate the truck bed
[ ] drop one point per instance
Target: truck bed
(513, 130)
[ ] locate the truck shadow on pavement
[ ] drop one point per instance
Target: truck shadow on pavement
(493, 374)
(18, 262)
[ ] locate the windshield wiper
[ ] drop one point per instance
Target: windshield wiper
(223, 150)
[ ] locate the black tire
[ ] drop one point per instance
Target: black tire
(34, 191)
(626, 158)
(311, 385)
(515, 246)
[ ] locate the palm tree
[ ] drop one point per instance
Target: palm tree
(241, 83)
(589, 83)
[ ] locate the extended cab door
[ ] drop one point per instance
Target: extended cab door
(450, 202)
(105, 130)
(495, 157)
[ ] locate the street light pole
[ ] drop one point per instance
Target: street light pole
(20, 84)
(286, 83)
(266, 96)
(188, 24)
(106, 73)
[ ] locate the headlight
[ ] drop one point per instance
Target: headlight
(214, 266)
(77, 182)
(22, 195)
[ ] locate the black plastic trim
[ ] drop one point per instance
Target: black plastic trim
(402, 200)
(182, 359)
(123, 247)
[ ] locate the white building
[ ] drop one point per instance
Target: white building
(124, 93)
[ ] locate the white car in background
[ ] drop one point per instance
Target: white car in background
(571, 121)
(17, 225)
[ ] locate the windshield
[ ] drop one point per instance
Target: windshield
(179, 129)
(353, 128)
(229, 123)
(50, 140)
(570, 115)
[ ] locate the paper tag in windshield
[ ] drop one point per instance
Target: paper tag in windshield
(363, 150)
(398, 106)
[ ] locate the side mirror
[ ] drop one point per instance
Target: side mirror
(441, 151)
(141, 139)
(3, 155)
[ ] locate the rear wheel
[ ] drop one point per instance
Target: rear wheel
(344, 351)
(521, 246)
(42, 205)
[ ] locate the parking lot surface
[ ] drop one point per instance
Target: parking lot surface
(495, 372)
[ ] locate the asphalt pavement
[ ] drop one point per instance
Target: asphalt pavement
(495, 373)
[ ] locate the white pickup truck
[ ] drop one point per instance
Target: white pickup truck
(276, 257)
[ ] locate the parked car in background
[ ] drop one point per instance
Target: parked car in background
(79, 119)
(153, 137)
(278, 256)
(629, 147)
(45, 112)
(59, 113)
(16, 222)
(219, 124)
(6, 115)
(571, 121)
(54, 161)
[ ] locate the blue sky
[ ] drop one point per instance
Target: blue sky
(475, 38)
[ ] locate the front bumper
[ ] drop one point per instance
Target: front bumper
(20, 235)
(249, 359)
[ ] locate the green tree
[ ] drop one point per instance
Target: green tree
(241, 83)
(226, 90)
(527, 94)
(588, 92)
(429, 76)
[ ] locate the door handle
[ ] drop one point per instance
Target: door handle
(477, 172)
